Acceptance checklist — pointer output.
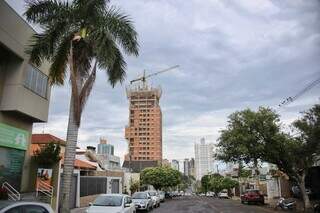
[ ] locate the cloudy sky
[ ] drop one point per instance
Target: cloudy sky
(233, 54)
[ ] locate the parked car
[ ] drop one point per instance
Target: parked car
(210, 194)
(142, 201)
(168, 195)
(252, 196)
(112, 203)
(162, 196)
(223, 194)
(25, 207)
(155, 198)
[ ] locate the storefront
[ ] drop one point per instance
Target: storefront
(13, 145)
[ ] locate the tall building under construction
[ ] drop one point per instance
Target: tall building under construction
(144, 131)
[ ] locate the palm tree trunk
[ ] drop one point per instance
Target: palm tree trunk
(69, 157)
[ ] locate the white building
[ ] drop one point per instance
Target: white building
(204, 158)
(175, 164)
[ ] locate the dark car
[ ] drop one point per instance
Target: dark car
(252, 196)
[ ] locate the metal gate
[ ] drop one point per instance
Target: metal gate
(115, 186)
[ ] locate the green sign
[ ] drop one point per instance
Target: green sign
(13, 137)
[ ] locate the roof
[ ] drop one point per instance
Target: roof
(79, 164)
(138, 166)
(46, 139)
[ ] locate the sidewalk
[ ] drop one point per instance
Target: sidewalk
(78, 210)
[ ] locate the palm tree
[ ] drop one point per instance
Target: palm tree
(79, 37)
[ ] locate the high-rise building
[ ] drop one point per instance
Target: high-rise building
(144, 131)
(106, 155)
(104, 148)
(186, 167)
(191, 168)
(204, 158)
(175, 164)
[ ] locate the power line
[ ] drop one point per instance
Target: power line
(300, 93)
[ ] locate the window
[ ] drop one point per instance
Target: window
(36, 81)
(34, 209)
(14, 210)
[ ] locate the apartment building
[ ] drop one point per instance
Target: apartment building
(24, 98)
(204, 158)
(144, 131)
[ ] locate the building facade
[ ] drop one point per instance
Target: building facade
(186, 170)
(104, 148)
(192, 168)
(24, 98)
(144, 131)
(204, 158)
(175, 164)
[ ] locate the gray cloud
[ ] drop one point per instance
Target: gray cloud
(232, 54)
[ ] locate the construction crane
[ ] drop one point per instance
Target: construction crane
(144, 77)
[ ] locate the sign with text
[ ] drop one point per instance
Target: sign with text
(13, 137)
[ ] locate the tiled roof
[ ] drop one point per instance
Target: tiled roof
(46, 138)
(79, 164)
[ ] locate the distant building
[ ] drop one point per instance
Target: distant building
(106, 156)
(175, 164)
(191, 168)
(204, 158)
(144, 131)
(186, 167)
(104, 148)
(166, 162)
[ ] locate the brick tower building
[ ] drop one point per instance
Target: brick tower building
(144, 131)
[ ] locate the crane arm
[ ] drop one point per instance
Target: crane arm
(144, 77)
(162, 71)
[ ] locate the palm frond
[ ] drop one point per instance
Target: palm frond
(121, 28)
(87, 87)
(44, 12)
(117, 72)
(59, 60)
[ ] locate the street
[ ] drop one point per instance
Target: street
(207, 205)
(195, 204)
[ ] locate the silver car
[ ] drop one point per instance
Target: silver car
(155, 198)
(142, 201)
(24, 207)
(112, 203)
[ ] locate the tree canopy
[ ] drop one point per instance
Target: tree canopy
(47, 155)
(252, 136)
(160, 177)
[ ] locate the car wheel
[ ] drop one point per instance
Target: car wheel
(242, 201)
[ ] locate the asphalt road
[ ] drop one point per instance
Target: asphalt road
(207, 205)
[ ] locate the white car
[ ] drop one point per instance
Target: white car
(162, 196)
(112, 203)
(223, 194)
(27, 207)
(155, 198)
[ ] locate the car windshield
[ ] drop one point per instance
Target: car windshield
(139, 195)
(152, 193)
(4, 203)
(108, 201)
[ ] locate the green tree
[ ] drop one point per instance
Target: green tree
(205, 183)
(47, 155)
(160, 177)
(246, 135)
(79, 37)
(134, 186)
(293, 155)
(215, 183)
